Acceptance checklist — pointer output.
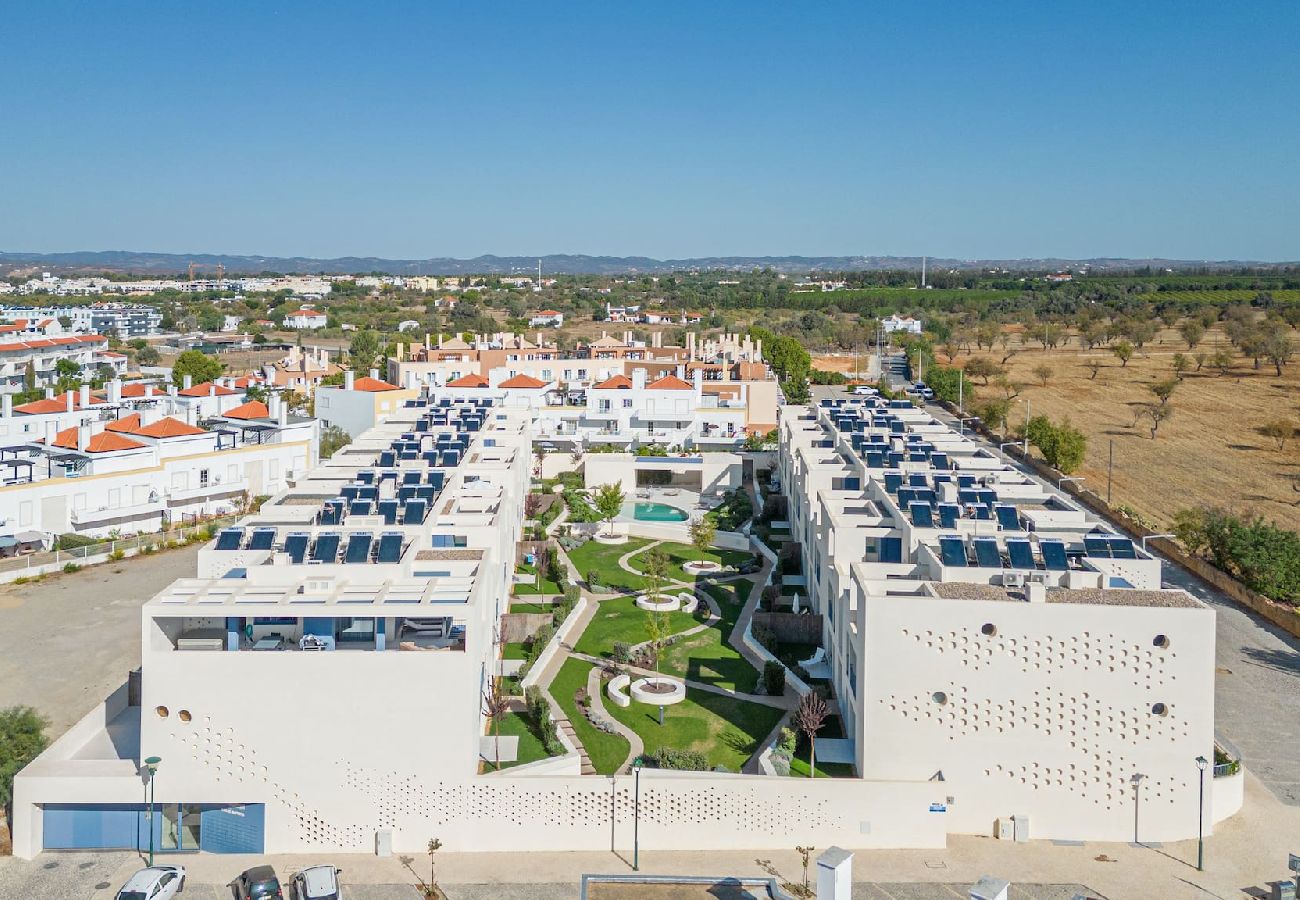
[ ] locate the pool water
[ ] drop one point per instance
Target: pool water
(654, 512)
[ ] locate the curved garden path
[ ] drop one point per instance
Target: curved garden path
(635, 745)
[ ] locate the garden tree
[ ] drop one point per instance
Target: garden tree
(332, 439)
(196, 364)
(1222, 360)
(1181, 364)
(1008, 351)
(541, 565)
(1265, 557)
(658, 628)
(1043, 373)
(1093, 366)
(1201, 357)
(609, 503)
(1123, 351)
(1010, 390)
(757, 441)
(950, 348)
(496, 706)
(1280, 430)
(1192, 332)
(1157, 413)
(22, 738)
(29, 378)
(993, 413)
(808, 717)
(255, 392)
(1278, 349)
(1049, 334)
(702, 532)
(986, 335)
(655, 566)
(982, 367)
(1164, 389)
(65, 322)
(148, 356)
(363, 350)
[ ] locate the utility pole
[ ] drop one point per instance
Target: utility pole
(1110, 469)
(1027, 402)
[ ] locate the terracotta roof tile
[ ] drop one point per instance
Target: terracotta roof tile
(253, 409)
(469, 381)
(104, 442)
(522, 381)
(374, 385)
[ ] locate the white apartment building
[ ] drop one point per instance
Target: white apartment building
(95, 465)
(980, 631)
(18, 353)
(128, 320)
(906, 324)
(306, 318)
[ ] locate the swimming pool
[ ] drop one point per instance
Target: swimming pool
(654, 512)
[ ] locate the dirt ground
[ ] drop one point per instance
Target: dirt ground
(1210, 451)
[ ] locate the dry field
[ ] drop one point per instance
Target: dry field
(1210, 451)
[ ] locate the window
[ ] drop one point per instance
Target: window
(203, 477)
(603, 406)
(627, 404)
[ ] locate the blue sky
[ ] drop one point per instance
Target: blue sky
(667, 129)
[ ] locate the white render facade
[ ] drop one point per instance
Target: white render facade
(963, 646)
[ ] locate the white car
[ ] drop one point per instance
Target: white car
(154, 883)
(865, 390)
(317, 883)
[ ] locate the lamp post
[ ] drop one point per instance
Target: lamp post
(961, 423)
(1201, 764)
(1152, 537)
(636, 816)
(151, 766)
(1136, 781)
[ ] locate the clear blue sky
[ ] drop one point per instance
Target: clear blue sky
(665, 129)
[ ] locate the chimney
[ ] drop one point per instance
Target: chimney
(49, 393)
(410, 380)
(71, 399)
(627, 337)
(282, 415)
(85, 396)
(681, 371)
(7, 405)
(401, 351)
(638, 378)
(83, 437)
(273, 405)
(690, 344)
(212, 389)
(51, 431)
(349, 379)
(148, 391)
(268, 372)
(374, 373)
(115, 391)
(697, 378)
(758, 350)
(187, 382)
(426, 340)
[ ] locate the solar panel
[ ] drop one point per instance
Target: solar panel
(229, 538)
(410, 478)
(1054, 558)
(1122, 548)
(922, 515)
(948, 515)
(388, 509)
(893, 481)
(952, 552)
(367, 477)
(1021, 553)
(390, 548)
(414, 512)
(1007, 517)
(986, 553)
(916, 480)
(326, 549)
(263, 539)
(982, 512)
(359, 508)
(1096, 546)
(358, 547)
(296, 546)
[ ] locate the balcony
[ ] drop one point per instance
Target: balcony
(211, 490)
(88, 517)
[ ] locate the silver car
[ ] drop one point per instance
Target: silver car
(317, 883)
(154, 883)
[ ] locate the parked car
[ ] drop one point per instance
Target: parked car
(927, 393)
(154, 883)
(317, 883)
(257, 883)
(865, 390)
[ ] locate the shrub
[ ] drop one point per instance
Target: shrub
(71, 567)
(71, 541)
(22, 738)
(593, 580)
(622, 652)
(21, 579)
(117, 555)
(771, 594)
(682, 760)
(773, 678)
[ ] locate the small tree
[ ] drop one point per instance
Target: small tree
(773, 678)
(1157, 413)
(609, 503)
(1222, 360)
(982, 367)
(495, 707)
(1180, 364)
(1192, 332)
(1123, 352)
(1094, 366)
(1164, 389)
(1280, 430)
(1043, 373)
(655, 566)
(702, 532)
(196, 364)
(657, 628)
(1201, 357)
(332, 439)
(542, 565)
(1278, 349)
(22, 738)
(809, 716)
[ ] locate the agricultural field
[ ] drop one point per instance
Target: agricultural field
(1211, 451)
(1220, 298)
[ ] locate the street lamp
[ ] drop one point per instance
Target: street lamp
(151, 766)
(1202, 764)
(1152, 537)
(1136, 781)
(636, 815)
(961, 423)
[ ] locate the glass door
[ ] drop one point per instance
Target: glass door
(180, 827)
(170, 836)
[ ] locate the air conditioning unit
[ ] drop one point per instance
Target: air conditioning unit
(1013, 579)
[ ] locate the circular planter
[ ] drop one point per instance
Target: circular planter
(610, 538)
(617, 690)
(659, 690)
(659, 602)
(701, 567)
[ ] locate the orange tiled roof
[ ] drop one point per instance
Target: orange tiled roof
(58, 403)
(670, 383)
(253, 409)
(617, 382)
(203, 390)
(104, 442)
(168, 427)
(126, 424)
(469, 381)
(374, 385)
(522, 381)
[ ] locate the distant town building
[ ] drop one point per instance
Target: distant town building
(547, 317)
(305, 318)
(901, 323)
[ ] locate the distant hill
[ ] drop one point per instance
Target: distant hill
(127, 261)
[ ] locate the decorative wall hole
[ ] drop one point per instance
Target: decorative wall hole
(939, 697)
(184, 715)
(162, 712)
(1161, 641)
(1159, 709)
(988, 629)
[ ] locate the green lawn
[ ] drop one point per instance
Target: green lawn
(678, 554)
(707, 657)
(604, 559)
(620, 619)
(531, 607)
(514, 651)
(530, 745)
(833, 727)
(606, 751)
(727, 730)
(549, 585)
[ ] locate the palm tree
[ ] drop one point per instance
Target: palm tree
(495, 706)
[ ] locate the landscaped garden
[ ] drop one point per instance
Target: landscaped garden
(606, 751)
(620, 620)
(706, 657)
(728, 731)
(514, 724)
(602, 559)
(524, 588)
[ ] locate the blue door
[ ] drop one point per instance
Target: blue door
(233, 829)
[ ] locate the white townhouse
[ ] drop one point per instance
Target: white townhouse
(305, 318)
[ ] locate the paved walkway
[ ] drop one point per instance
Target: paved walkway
(635, 745)
(774, 702)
